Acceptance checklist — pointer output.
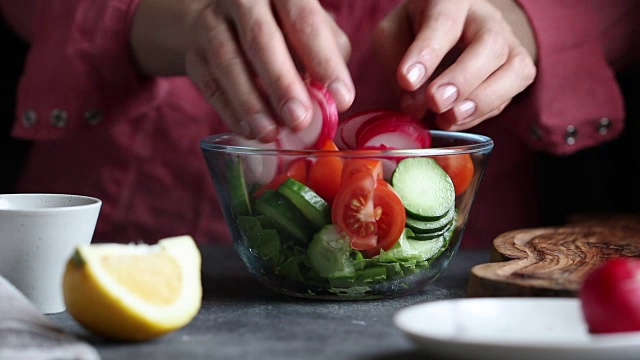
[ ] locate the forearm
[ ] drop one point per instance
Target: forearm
(159, 34)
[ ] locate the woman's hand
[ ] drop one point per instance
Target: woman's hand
(463, 60)
(247, 58)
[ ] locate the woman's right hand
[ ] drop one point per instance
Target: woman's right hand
(247, 58)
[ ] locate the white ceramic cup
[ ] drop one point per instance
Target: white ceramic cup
(38, 235)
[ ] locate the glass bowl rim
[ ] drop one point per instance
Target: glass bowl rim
(477, 144)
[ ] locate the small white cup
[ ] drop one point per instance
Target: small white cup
(38, 234)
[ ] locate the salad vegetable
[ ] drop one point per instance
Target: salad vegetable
(347, 224)
(460, 169)
(610, 296)
(324, 174)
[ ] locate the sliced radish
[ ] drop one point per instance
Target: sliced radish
(327, 107)
(323, 125)
(349, 127)
(389, 163)
(401, 132)
(257, 168)
(289, 140)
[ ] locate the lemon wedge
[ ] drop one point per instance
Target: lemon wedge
(134, 292)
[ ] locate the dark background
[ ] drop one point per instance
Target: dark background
(12, 151)
(600, 180)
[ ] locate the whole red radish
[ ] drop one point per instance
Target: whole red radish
(610, 296)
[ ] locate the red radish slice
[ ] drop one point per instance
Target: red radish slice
(259, 169)
(348, 128)
(329, 110)
(401, 132)
(323, 124)
(370, 121)
(323, 127)
(389, 164)
(290, 140)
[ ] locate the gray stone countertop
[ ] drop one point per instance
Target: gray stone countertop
(242, 319)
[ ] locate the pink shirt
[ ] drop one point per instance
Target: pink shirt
(101, 129)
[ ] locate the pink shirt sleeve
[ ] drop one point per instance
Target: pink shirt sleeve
(79, 71)
(575, 101)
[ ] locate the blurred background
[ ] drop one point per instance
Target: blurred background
(604, 179)
(13, 151)
(601, 180)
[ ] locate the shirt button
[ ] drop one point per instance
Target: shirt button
(59, 118)
(570, 135)
(29, 118)
(604, 126)
(93, 117)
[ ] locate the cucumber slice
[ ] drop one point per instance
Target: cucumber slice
(329, 254)
(238, 193)
(429, 248)
(285, 214)
(431, 227)
(315, 208)
(431, 236)
(426, 190)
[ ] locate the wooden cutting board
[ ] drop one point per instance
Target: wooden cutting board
(553, 261)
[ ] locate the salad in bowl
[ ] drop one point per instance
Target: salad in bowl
(373, 206)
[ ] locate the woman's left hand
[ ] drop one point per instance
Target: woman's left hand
(460, 59)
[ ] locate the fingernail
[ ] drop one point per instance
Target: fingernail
(295, 114)
(446, 95)
(415, 73)
(341, 93)
(263, 127)
(465, 109)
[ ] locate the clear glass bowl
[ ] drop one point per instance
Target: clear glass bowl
(304, 267)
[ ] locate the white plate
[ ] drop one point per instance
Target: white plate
(511, 328)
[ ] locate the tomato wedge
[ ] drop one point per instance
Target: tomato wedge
(370, 212)
(353, 211)
(354, 166)
(325, 173)
(390, 215)
(459, 168)
(297, 170)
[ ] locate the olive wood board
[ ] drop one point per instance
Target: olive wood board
(553, 261)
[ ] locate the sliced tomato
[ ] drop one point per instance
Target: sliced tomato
(297, 170)
(390, 217)
(459, 168)
(353, 211)
(325, 173)
(370, 212)
(355, 166)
